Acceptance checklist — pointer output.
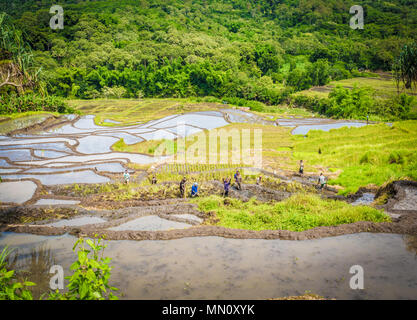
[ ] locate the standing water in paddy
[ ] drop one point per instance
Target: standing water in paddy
(217, 268)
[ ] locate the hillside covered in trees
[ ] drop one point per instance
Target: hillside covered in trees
(260, 50)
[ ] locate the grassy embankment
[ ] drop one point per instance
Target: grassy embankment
(384, 86)
(15, 121)
(297, 213)
(369, 155)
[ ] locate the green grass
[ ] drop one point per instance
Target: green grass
(372, 154)
(297, 213)
(275, 112)
(384, 87)
(11, 116)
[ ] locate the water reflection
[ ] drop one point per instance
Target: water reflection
(33, 266)
(219, 268)
(411, 243)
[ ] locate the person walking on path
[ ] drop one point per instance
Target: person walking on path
(194, 190)
(126, 177)
(301, 171)
(238, 179)
(182, 187)
(321, 181)
(226, 185)
(153, 180)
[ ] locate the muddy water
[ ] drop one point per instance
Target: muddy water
(112, 167)
(326, 127)
(59, 146)
(76, 222)
(150, 223)
(189, 217)
(365, 199)
(17, 191)
(44, 202)
(86, 176)
(17, 155)
(217, 268)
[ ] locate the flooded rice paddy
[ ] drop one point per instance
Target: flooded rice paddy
(44, 202)
(17, 191)
(82, 221)
(218, 268)
(150, 223)
(304, 125)
(79, 151)
(77, 145)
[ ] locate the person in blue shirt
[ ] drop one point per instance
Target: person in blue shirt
(226, 184)
(194, 190)
(238, 179)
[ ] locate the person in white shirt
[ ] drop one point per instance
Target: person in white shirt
(126, 177)
(301, 171)
(322, 181)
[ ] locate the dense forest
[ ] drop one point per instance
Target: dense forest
(260, 50)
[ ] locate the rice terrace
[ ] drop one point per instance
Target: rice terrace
(198, 150)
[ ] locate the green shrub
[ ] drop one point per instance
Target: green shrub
(30, 101)
(91, 274)
(10, 289)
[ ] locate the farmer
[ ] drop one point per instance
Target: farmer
(226, 183)
(259, 180)
(301, 171)
(238, 179)
(153, 180)
(321, 181)
(126, 177)
(194, 190)
(182, 187)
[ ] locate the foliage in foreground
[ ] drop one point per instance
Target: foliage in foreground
(10, 289)
(88, 282)
(91, 274)
(297, 213)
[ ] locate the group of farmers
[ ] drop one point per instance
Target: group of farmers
(226, 185)
(226, 182)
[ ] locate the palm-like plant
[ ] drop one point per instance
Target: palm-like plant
(405, 66)
(16, 58)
